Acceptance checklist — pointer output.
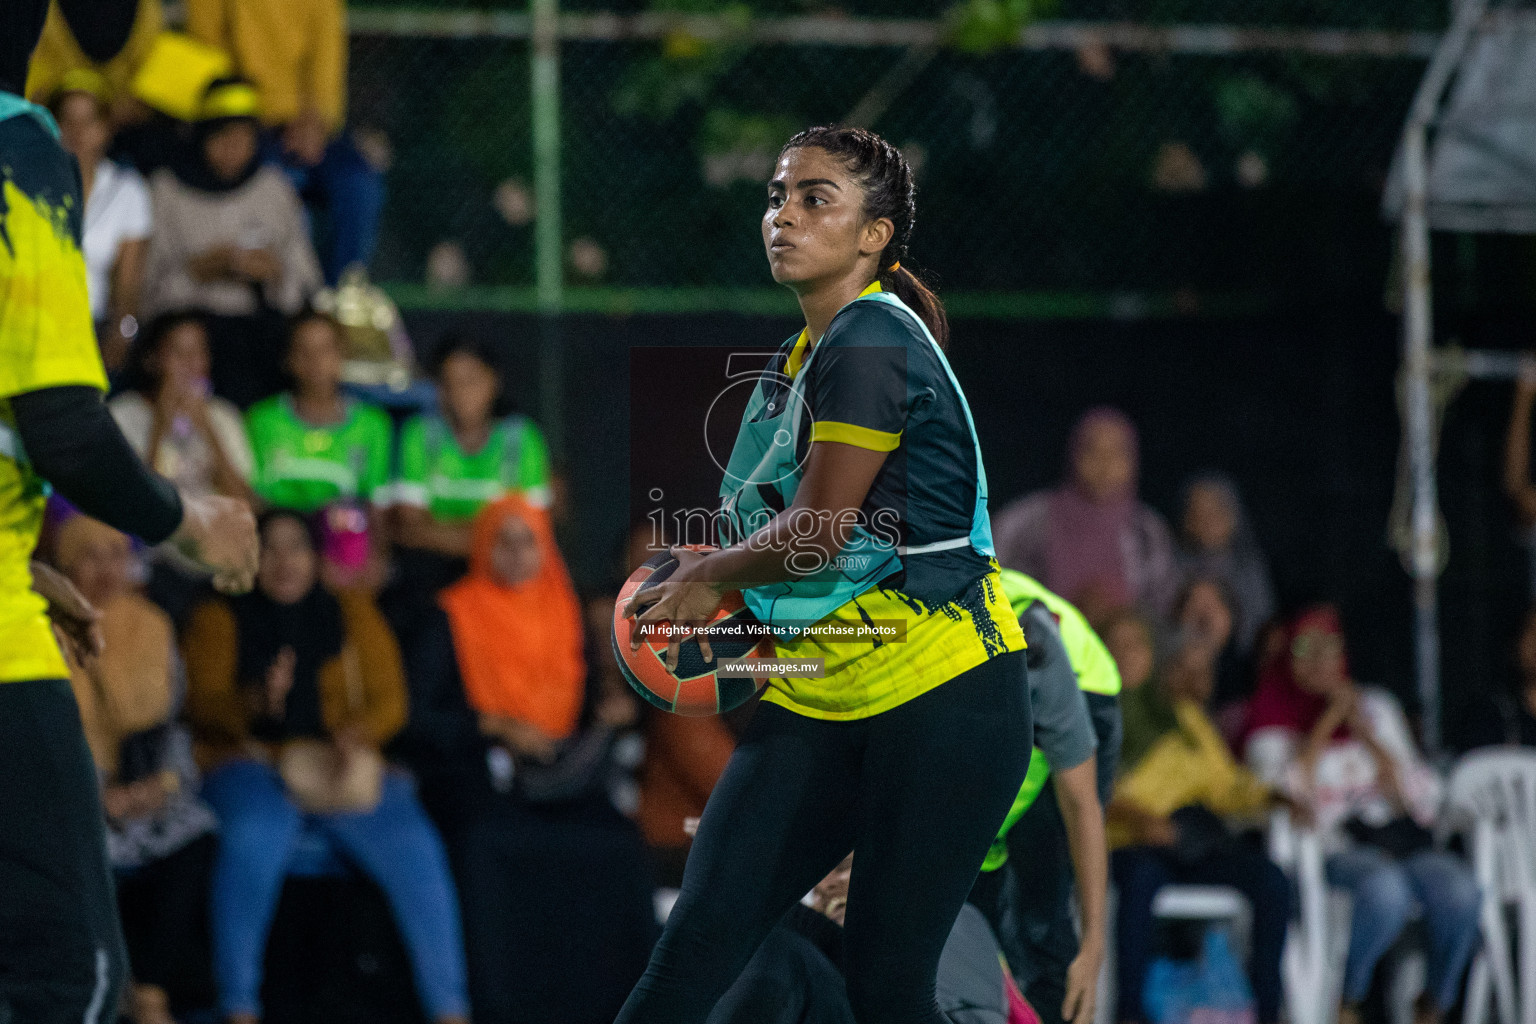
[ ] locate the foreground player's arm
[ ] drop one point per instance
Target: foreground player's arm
(837, 479)
(858, 395)
(73, 442)
(1078, 797)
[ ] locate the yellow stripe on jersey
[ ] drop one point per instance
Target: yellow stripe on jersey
(796, 358)
(852, 433)
(46, 340)
(864, 678)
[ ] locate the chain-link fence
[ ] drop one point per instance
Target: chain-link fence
(1067, 167)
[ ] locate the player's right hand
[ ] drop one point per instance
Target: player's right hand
(220, 534)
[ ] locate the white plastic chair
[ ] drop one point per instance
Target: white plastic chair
(1492, 800)
(1312, 968)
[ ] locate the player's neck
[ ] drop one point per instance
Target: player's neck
(820, 304)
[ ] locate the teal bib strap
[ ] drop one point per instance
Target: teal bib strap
(12, 105)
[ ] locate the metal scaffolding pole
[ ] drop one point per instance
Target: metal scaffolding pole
(1418, 361)
(548, 244)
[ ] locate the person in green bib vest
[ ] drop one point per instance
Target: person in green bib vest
(314, 445)
(456, 461)
(1057, 830)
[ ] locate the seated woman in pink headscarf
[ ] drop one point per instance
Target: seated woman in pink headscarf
(1347, 751)
(1091, 539)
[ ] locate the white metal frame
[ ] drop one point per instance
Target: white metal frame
(1420, 359)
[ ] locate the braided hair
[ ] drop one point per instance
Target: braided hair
(889, 191)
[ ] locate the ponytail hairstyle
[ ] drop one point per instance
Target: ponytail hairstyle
(889, 191)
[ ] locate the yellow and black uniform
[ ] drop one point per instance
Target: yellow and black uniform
(61, 949)
(46, 340)
(909, 753)
(877, 383)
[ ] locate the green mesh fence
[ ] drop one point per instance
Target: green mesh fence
(1055, 179)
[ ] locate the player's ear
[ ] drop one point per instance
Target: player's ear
(876, 235)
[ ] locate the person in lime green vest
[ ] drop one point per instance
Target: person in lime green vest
(1074, 689)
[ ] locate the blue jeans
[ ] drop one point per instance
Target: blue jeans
(394, 844)
(1385, 892)
(344, 192)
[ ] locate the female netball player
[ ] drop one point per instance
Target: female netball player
(61, 947)
(908, 753)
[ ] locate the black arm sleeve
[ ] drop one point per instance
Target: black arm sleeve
(73, 442)
(101, 27)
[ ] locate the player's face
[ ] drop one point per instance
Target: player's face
(468, 389)
(315, 357)
(82, 129)
(515, 558)
(814, 228)
(288, 561)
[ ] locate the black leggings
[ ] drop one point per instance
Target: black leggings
(61, 949)
(918, 792)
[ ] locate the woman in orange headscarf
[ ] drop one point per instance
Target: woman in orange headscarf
(516, 627)
(550, 871)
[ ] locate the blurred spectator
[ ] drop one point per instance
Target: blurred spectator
(1517, 463)
(59, 53)
(230, 240)
(296, 53)
(1133, 644)
(159, 834)
(293, 691)
(1165, 825)
(1346, 751)
(517, 630)
(1204, 611)
(1091, 539)
(456, 461)
(683, 760)
(314, 445)
(116, 227)
(551, 873)
(189, 436)
(1510, 718)
(1216, 541)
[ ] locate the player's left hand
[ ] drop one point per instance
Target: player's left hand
(1082, 988)
(686, 599)
(77, 619)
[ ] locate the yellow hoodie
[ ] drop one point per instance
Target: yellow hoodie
(1190, 765)
(294, 51)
